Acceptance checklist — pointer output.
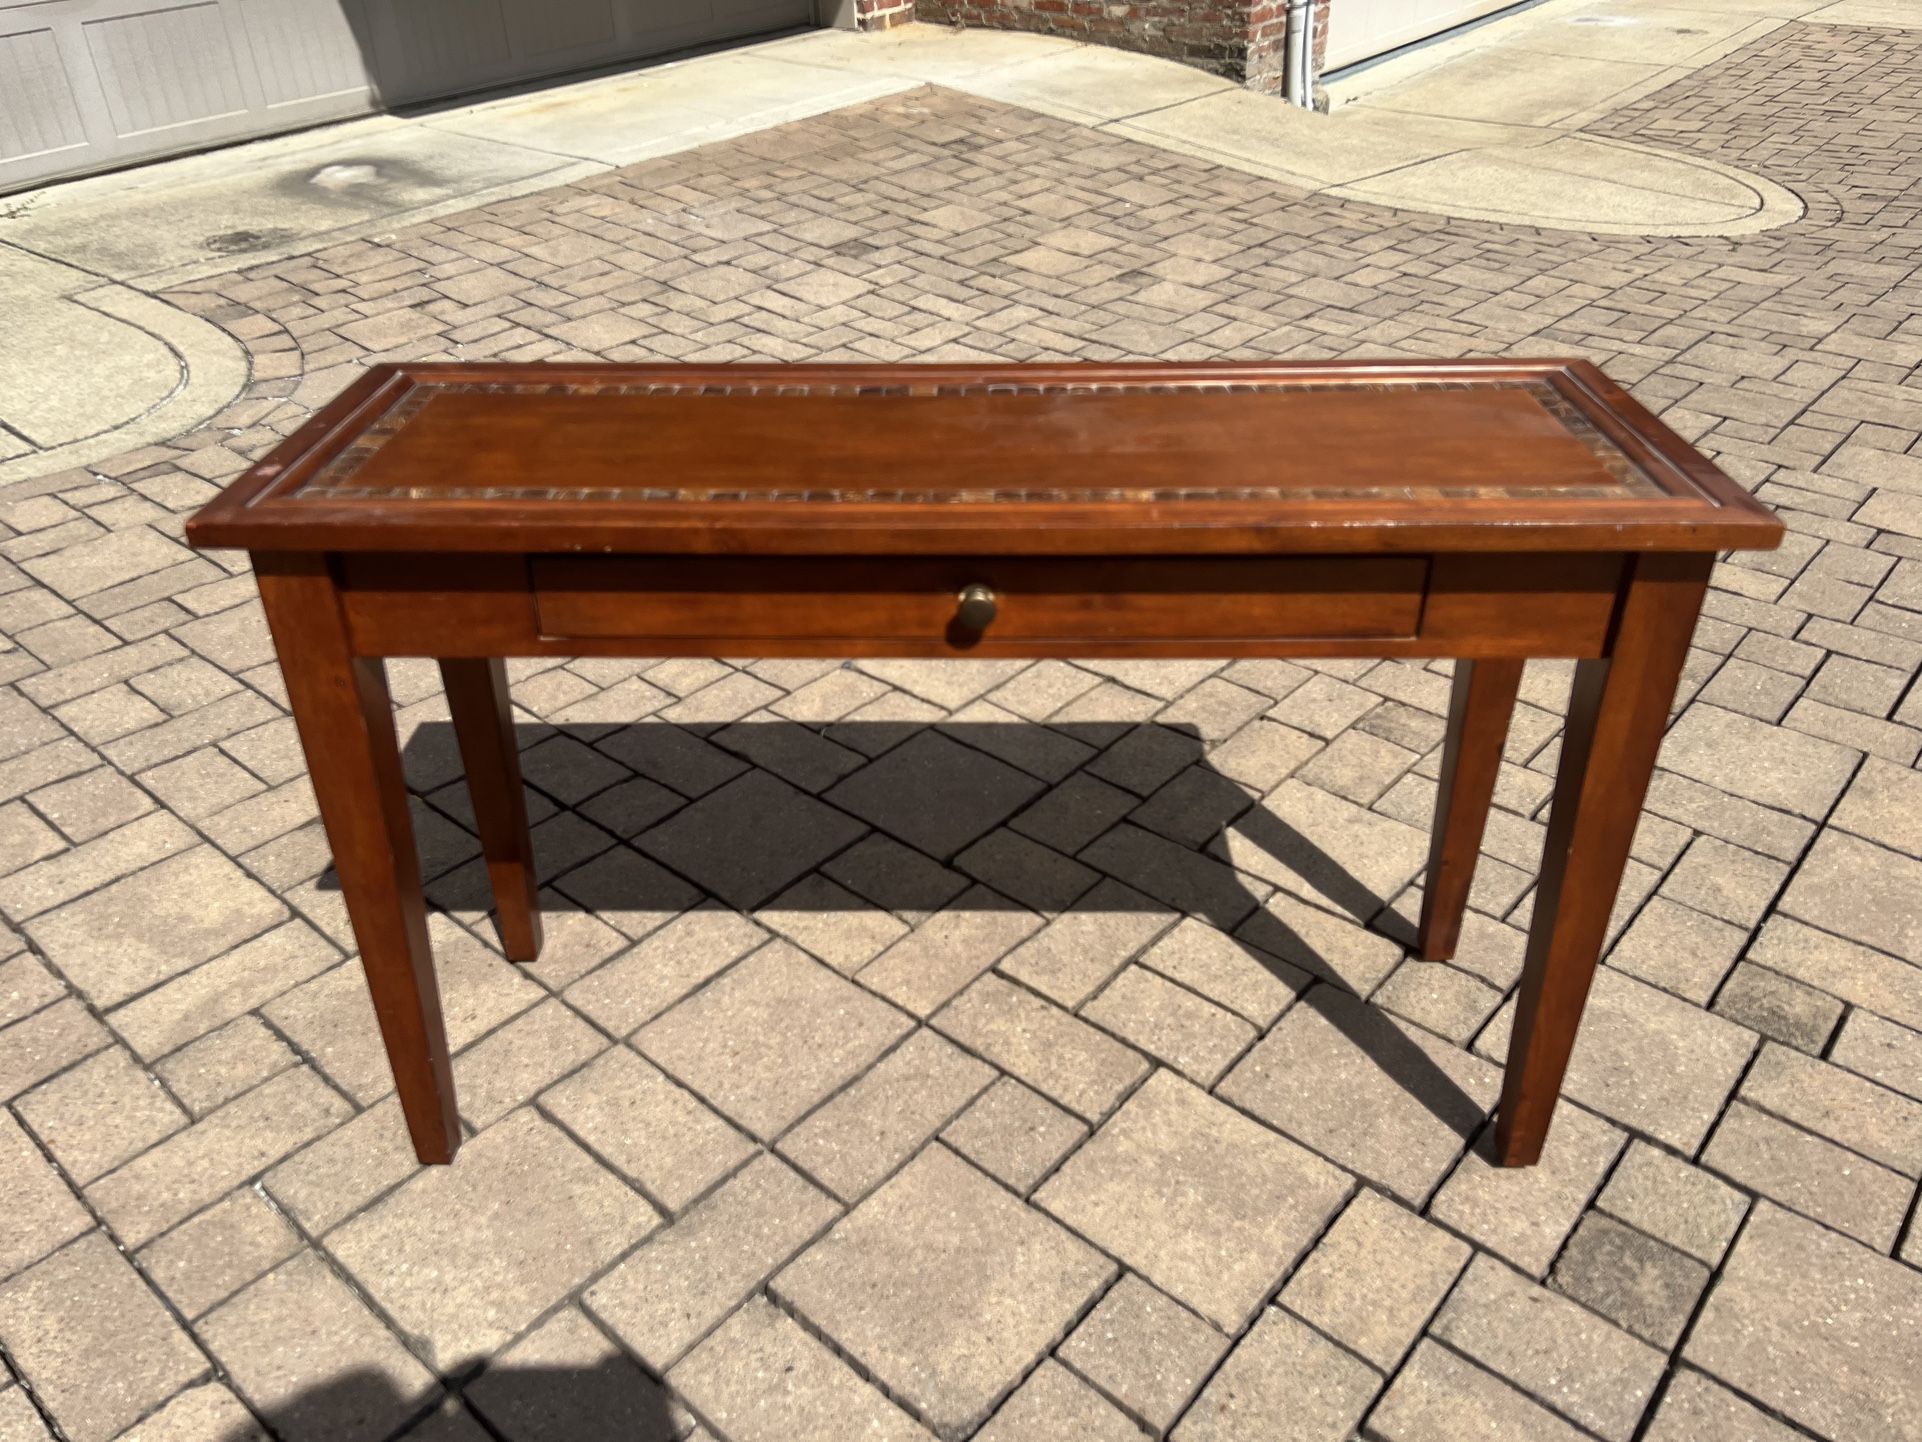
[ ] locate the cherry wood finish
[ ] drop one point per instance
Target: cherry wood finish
(1479, 707)
(1489, 511)
(484, 725)
(346, 724)
(1617, 713)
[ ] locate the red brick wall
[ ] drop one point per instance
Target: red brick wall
(1245, 40)
(880, 14)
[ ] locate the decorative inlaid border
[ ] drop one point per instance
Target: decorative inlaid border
(334, 481)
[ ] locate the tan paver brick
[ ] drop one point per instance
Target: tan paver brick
(194, 1167)
(98, 1114)
(761, 1377)
(305, 1351)
(62, 1317)
(208, 1258)
(1014, 1134)
(860, 1136)
(1523, 1214)
(1145, 1350)
(1440, 1397)
(41, 1212)
(658, 1135)
(670, 1293)
(944, 1288)
(1056, 1053)
(1283, 1380)
(465, 1258)
(1592, 1373)
(772, 1037)
(1053, 1402)
(1376, 1278)
(1379, 1097)
(1817, 1328)
(568, 1379)
(1203, 1202)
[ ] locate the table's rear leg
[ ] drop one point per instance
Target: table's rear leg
(1616, 718)
(484, 724)
(346, 724)
(1479, 709)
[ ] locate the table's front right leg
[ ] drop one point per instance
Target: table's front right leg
(1617, 715)
(346, 724)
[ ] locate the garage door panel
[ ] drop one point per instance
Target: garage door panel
(39, 113)
(434, 46)
(85, 84)
(1362, 29)
(304, 51)
(164, 68)
(541, 29)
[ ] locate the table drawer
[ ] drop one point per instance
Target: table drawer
(1034, 599)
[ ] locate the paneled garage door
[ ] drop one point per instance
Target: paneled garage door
(1362, 29)
(87, 84)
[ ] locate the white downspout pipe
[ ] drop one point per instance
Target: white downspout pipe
(1298, 58)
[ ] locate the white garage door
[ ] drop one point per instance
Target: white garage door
(87, 84)
(1362, 29)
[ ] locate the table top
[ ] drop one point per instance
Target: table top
(1053, 459)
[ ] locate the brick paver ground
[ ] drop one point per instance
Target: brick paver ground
(992, 1049)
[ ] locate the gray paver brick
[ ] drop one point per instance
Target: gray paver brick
(1640, 1284)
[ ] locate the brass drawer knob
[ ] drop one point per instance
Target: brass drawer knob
(975, 608)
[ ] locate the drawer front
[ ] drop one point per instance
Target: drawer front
(1033, 599)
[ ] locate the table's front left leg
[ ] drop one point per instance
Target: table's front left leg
(346, 725)
(1617, 715)
(484, 725)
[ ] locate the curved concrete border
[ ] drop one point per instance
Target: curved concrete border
(1558, 177)
(214, 371)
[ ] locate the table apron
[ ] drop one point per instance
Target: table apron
(1445, 605)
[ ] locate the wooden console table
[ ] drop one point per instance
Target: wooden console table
(1488, 511)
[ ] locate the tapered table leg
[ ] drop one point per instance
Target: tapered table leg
(346, 724)
(1479, 709)
(484, 724)
(1616, 719)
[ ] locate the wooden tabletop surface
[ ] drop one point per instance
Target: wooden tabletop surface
(1059, 459)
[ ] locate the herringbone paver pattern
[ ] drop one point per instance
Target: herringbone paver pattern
(1020, 1051)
